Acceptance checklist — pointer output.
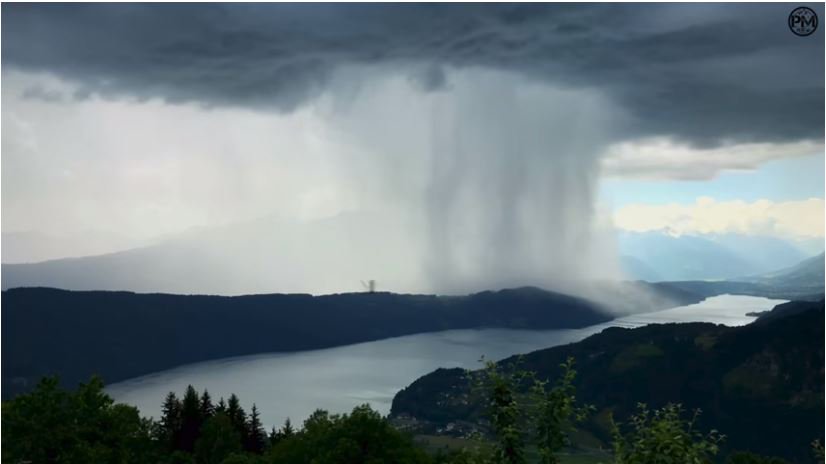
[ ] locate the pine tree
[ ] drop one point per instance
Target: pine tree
(237, 415)
(287, 431)
(222, 406)
(274, 436)
(255, 436)
(190, 419)
(170, 426)
(234, 409)
(207, 409)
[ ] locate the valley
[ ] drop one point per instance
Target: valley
(337, 379)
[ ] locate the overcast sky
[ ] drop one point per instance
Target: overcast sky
(504, 134)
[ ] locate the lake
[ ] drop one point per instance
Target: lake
(337, 379)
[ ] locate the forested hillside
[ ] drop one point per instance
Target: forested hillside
(119, 335)
(761, 384)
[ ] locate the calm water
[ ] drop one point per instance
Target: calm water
(337, 379)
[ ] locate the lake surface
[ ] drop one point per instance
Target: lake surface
(337, 379)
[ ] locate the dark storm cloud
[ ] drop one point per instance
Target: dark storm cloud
(38, 92)
(703, 73)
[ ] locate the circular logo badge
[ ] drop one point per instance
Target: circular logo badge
(803, 21)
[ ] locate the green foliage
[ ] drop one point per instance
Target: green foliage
(191, 420)
(180, 457)
(171, 421)
(362, 436)
(500, 389)
(743, 457)
(51, 425)
(222, 406)
(207, 408)
(530, 421)
(541, 417)
(464, 456)
(817, 451)
(255, 436)
(243, 458)
(663, 437)
(555, 410)
(237, 416)
(217, 441)
(635, 356)
(278, 435)
(287, 430)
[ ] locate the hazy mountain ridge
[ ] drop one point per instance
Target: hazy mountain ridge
(809, 272)
(33, 247)
(334, 254)
(657, 256)
(803, 281)
(258, 256)
(761, 384)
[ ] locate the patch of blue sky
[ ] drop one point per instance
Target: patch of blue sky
(779, 180)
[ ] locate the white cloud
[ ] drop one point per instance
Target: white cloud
(662, 158)
(790, 219)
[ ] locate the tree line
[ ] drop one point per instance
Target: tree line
(529, 421)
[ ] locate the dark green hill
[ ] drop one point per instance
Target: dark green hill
(121, 335)
(761, 385)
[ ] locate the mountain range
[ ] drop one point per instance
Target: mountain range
(656, 256)
(809, 272)
(260, 256)
(803, 281)
(334, 254)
